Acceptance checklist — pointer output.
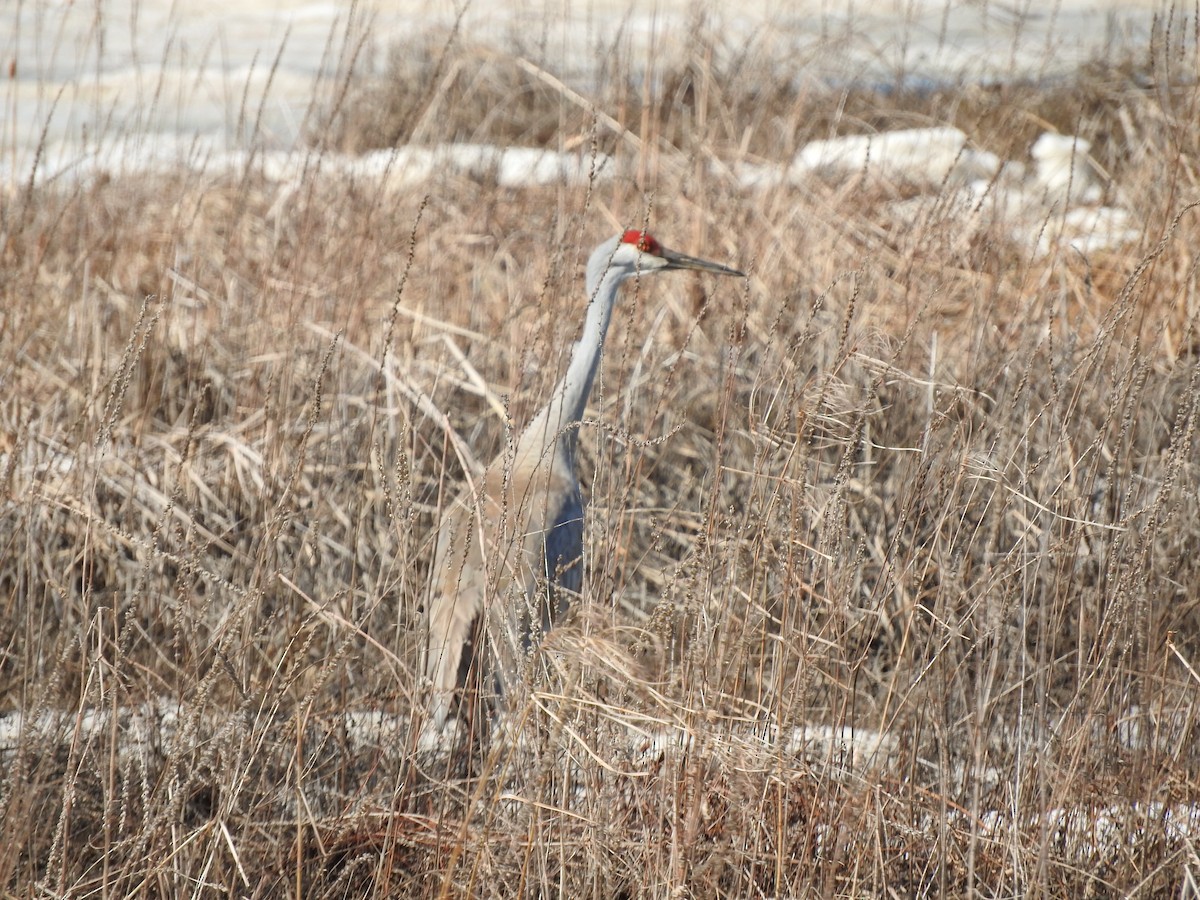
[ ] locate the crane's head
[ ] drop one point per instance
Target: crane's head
(637, 252)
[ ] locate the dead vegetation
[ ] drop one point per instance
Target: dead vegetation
(946, 493)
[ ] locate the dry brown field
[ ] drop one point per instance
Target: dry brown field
(907, 480)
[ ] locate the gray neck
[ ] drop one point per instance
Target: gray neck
(558, 417)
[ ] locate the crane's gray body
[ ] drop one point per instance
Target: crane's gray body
(511, 549)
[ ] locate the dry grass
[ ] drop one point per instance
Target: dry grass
(895, 482)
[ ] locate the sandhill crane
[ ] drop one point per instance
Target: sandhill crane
(511, 549)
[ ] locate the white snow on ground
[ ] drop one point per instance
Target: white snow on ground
(1063, 169)
(83, 72)
(1104, 829)
(388, 169)
(159, 724)
(1055, 204)
(156, 729)
(922, 155)
(511, 167)
(146, 86)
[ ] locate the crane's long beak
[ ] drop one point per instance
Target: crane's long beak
(681, 261)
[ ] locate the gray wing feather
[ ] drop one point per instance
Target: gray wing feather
(564, 557)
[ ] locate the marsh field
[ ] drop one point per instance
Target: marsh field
(893, 548)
